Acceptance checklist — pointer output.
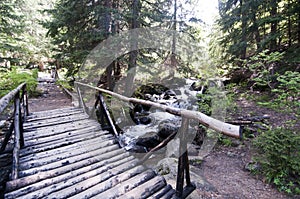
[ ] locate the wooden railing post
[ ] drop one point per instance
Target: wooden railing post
(81, 102)
(106, 113)
(183, 163)
(17, 138)
(25, 101)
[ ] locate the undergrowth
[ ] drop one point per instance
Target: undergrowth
(279, 158)
(10, 79)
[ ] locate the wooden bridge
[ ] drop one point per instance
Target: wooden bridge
(64, 154)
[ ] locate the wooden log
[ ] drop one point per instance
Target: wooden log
(57, 151)
(65, 155)
(34, 118)
(68, 162)
(128, 183)
(107, 115)
(7, 137)
(109, 172)
(41, 181)
(59, 143)
(53, 112)
(4, 101)
(125, 183)
(165, 193)
(53, 146)
(17, 145)
(55, 121)
(60, 136)
(222, 127)
(58, 129)
(146, 189)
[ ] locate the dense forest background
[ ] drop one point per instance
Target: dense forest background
(254, 44)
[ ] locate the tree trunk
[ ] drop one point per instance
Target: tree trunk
(274, 24)
(244, 29)
(173, 56)
(134, 23)
(298, 22)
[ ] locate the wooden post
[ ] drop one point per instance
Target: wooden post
(25, 101)
(16, 150)
(81, 102)
(7, 136)
(21, 124)
(181, 159)
(183, 163)
(107, 115)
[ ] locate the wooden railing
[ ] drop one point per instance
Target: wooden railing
(187, 115)
(19, 96)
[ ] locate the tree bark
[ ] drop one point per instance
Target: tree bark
(134, 23)
(298, 22)
(274, 24)
(244, 29)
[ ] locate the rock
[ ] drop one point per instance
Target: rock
(230, 154)
(193, 149)
(2, 124)
(166, 129)
(252, 166)
(145, 120)
(149, 140)
(173, 148)
(168, 168)
(136, 148)
(169, 94)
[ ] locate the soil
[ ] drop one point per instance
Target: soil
(222, 173)
(225, 167)
(52, 97)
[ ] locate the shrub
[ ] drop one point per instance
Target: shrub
(11, 79)
(288, 90)
(279, 157)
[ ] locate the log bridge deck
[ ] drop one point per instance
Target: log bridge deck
(67, 155)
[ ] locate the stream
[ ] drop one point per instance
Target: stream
(151, 126)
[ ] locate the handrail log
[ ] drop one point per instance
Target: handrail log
(4, 101)
(222, 127)
(17, 138)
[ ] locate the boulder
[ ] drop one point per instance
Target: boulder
(149, 140)
(166, 129)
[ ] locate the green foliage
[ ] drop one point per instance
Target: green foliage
(11, 27)
(11, 79)
(285, 95)
(288, 90)
(263, 66)
(279, 157)
(224, 141)
(64, 83)
(204, 103)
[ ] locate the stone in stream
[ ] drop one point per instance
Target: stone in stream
(149, 140)
(166, 129)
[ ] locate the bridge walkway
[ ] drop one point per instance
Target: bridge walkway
(68, 155)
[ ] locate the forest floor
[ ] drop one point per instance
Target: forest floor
(222, 174)
(225, 167)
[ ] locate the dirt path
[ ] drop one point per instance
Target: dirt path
(52, 98)
(225, 169)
